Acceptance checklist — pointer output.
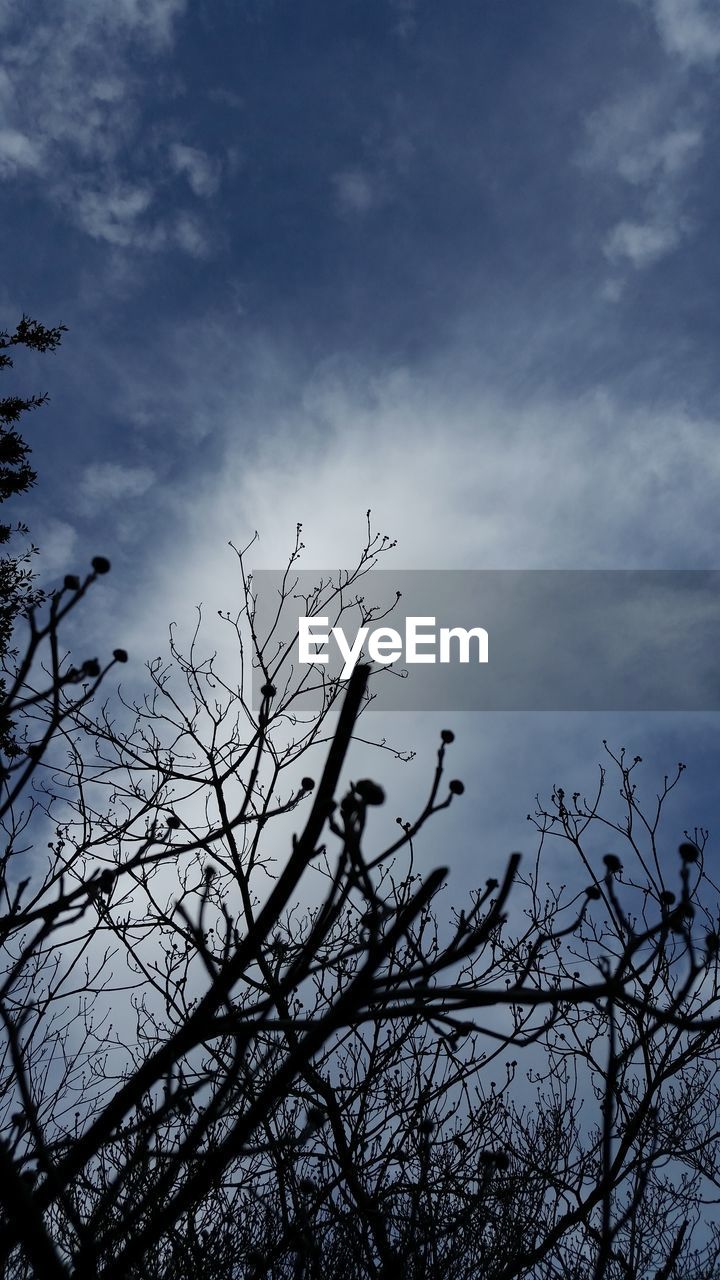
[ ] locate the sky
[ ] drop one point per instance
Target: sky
(456, 263)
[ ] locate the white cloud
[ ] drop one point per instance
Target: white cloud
(113, 215)
(110, 482)
(406, 24)
(642, 244)
(652, 138)
(190, 237)
(619, 131)
(200, 170)
(17, 153)
(461, 482)
(57, 541)
(689, 29)
(227, 97)
(677, 150)
(108, 89)
(60, 122)
(357, 192)
(116, 215)
(154, 18)
(667, 155)
(648, 142)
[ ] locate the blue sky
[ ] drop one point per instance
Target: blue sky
(455, 262)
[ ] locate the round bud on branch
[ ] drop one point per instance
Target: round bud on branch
(369, 791)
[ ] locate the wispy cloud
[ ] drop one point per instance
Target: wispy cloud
(113, 214)
(650, 141)
(57, 540)
(357, 191)
(689, 29)
(201, 171)
(642, 137)
(110, 482)
(642, 243)
(646, 143)
(406, 24)
(71, 102)
(18, 153)
(503, 482)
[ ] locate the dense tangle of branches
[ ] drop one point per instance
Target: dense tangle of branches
(230, 1051)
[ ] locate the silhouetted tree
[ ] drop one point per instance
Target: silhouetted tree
(233, 1052)
(17, 592)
